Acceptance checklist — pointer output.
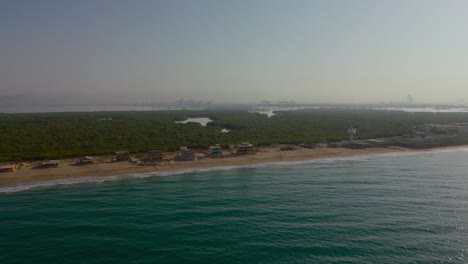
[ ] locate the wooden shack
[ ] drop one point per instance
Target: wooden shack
(86, 160)
(8, 168)
(154, 155)
(186, 154)
(216, 151)
(244, 148)
(50, 164)
(122, 155)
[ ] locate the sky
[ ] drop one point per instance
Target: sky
(330, 51)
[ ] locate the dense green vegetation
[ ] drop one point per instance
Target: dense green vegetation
(58, 135)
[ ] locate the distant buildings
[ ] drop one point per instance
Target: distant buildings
(452, 129)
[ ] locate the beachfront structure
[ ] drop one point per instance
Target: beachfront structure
(154, 155)
(50, 164)
(186, 154)
(216, 151)
(86, 160)
(122, 155)
(244, 148)
(8, 168)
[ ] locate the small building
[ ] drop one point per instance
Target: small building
(86, 160)
(244, 148)
(186, 154)
(122, 156)
(8, 168)
(216, 151)
(154, 155)
(50, 164)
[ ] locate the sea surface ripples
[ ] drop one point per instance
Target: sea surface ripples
(380, 209)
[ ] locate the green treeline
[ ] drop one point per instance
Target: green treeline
(60, 135)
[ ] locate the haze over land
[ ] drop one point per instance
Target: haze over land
(233, 51)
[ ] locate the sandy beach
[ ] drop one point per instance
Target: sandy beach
(103, 167)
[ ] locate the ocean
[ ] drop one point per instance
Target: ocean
(390, 208)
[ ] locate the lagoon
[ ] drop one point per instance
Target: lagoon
(200, 120)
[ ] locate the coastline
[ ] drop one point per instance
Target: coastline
(263, 155)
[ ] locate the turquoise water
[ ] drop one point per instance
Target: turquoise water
(394, 208)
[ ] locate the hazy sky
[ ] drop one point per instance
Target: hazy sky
(235, 51)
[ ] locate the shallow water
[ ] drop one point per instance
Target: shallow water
(392, 208)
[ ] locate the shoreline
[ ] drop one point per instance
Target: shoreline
(263, 155)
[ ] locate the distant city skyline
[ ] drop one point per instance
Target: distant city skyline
(324, 51)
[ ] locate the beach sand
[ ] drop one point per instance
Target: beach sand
(67, 169)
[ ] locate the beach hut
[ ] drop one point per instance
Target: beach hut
(244, 148)
(8, 168)
(154, 155)
(122, 155)
(216, 151)
(86, 160)
(50, 164)
(186, 154)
